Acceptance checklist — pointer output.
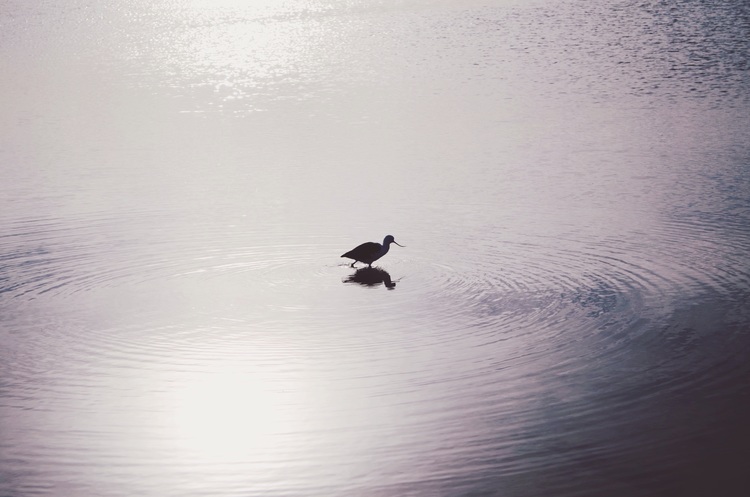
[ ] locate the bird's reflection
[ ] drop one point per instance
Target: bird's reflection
(371, 276)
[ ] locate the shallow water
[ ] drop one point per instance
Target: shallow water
(569, 315)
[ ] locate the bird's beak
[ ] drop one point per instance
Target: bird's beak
(394, 241)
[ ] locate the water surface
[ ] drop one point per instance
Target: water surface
(569, 316)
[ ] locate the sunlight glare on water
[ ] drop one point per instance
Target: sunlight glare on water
(223, 417)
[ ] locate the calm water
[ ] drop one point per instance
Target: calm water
(570, 315)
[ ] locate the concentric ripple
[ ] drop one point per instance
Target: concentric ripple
(518, 335)
(64, 256)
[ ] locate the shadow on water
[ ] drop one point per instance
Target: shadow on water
(371, 276)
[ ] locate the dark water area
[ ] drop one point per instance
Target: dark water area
(569, 315)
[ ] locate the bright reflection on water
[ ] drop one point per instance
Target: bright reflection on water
(568, 317)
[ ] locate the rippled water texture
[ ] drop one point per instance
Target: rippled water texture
(569, 315)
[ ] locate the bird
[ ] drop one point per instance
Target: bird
(370, 252)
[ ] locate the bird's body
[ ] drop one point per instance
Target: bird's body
(370, 252)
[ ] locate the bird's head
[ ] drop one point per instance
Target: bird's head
(389, 239)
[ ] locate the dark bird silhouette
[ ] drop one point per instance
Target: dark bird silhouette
(370, 252)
